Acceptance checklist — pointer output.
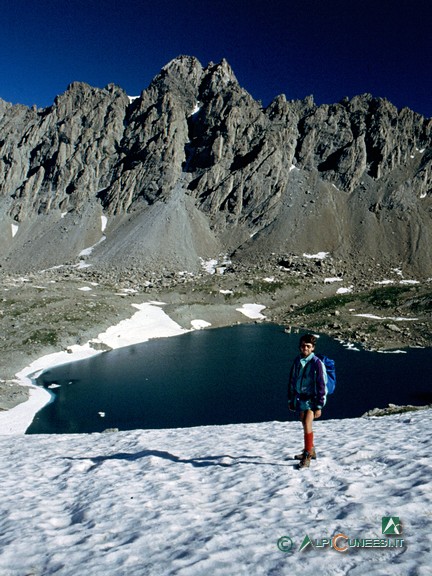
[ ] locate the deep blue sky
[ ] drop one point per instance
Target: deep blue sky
(327, 48)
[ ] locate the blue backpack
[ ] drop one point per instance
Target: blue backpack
(331, 372)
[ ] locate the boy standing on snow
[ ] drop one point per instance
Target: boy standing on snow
(307, 393)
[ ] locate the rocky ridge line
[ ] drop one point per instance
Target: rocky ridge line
(195, 160)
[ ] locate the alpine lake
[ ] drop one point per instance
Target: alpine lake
(219, 376)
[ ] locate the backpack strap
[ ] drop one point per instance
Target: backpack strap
(319, 394)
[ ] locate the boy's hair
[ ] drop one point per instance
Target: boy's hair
(308, 339)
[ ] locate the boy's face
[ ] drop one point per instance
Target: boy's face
(306, 348)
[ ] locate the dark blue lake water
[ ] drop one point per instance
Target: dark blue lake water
(219, 376)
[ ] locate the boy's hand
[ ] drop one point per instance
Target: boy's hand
(317, 413)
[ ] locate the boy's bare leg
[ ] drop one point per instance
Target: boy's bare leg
(307, 417)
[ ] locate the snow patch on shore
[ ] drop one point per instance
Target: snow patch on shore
(252, 311)
(150, 321)
(200, 324)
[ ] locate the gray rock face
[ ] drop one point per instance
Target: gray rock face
(60, 157)
(195, 166)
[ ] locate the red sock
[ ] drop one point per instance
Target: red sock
(308, 441)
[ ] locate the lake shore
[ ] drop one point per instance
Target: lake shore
(21, 399)
(61, 313)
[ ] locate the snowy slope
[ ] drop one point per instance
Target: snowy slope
(216, 500)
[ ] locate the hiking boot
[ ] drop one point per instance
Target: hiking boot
(305, 461)
(300, 456)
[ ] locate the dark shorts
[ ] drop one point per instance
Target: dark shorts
(305, 403)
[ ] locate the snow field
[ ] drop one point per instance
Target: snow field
(215, 500)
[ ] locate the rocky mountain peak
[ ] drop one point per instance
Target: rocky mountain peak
(183, 67)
